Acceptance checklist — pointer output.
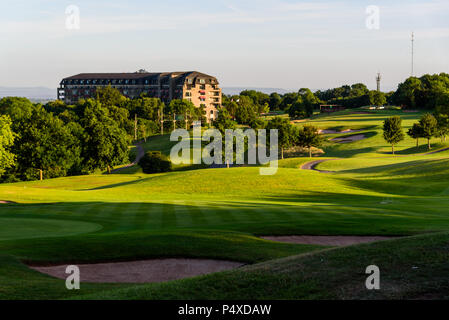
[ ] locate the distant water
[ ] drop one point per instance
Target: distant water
(32, 93)
(237, 90)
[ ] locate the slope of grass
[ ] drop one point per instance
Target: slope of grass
(410, 268)
(218, 213)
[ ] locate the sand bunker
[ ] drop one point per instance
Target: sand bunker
(327, 240)
(349, 139)
(158, 270)
(5, 202)
(329, 131)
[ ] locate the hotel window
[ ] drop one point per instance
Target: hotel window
(202, 81)
(81, 81)
(87, 81)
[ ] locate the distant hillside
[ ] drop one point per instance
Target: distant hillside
(32, 93)
(237, 90)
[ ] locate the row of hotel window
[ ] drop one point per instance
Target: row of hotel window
(152, 82)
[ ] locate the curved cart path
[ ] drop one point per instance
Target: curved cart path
(140, 154)
(313, 164)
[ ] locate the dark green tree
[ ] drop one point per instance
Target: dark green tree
(429, 126)
(109, 96)
(415, 132)
(155, 162)
(246, 110)
(286, 137)
(308, 137)
(6, 142)
(224, 121)
(377, 98)
(275, 101)
(105, 144)
(393, 132)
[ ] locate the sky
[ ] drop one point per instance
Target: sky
(246, 43)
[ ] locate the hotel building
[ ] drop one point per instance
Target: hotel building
(199, 88)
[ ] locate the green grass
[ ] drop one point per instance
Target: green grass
(219, 213)
(411, 268)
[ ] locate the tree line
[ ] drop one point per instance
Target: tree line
(289, 135)
(428, 127)
(53, 140)
(427, 93)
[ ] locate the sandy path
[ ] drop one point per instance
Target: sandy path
(140, 154)
(327, 240)
(328, 131)
(313, 164)
(158, 270)
(349, 139)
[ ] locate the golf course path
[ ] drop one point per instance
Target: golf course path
(437, 151)
(140, 154)
(313, 164)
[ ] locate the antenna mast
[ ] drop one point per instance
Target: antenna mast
(378, 78)
(413, 54)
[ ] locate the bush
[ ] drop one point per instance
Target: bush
(155, 162)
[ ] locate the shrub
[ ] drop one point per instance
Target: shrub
(155, 162)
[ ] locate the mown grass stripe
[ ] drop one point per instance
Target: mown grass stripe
(169, 218)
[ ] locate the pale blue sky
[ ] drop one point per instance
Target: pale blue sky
(257, 43)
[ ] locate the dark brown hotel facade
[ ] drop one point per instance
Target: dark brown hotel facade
(199, 88)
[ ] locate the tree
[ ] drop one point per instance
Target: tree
(304, 105)
(297, 109)
(308, 137)
(246, 110)
(224, 121)
(155, 162)
(287, 100)
(429, 127)
(275, 101)
(109, 96)
(145, 108)
(442, 125)
(406, 93)
(286, 137)
(415, 132)
(105, 144)
(358, 89)
(45, 145)
(6, 141)
(377, 98)
(260, 99)
(442, 114)
(393, 133)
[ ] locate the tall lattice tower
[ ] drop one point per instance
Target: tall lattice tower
(378, 78)
(413, 54)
